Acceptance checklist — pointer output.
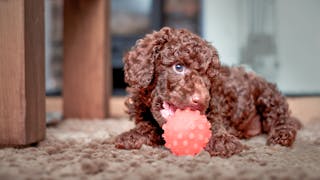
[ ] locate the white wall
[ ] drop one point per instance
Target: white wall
(297, 32)
(299, 45)
(220, 26)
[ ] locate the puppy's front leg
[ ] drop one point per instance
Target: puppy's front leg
(144, 133)
(221, 142)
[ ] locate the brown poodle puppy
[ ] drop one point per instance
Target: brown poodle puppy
(175, 69)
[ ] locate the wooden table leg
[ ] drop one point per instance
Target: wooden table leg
(86, 66)
(22, 90)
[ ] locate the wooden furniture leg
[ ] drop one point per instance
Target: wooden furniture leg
(86, 66)
(22, 90)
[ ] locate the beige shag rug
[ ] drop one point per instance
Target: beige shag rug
(77, 149)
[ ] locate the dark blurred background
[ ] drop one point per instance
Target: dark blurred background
(130, 20)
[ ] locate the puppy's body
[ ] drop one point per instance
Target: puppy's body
(175, 69)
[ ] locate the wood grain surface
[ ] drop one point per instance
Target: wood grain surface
(22, 92)
(86, 67)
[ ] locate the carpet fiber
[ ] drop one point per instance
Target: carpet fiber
(77, 149)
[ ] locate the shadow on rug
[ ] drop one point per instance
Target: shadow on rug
(76, 149)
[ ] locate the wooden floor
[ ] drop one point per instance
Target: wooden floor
(117, 108)
(304, 108)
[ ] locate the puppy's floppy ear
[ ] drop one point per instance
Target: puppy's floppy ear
(214, 62)
(139, 62)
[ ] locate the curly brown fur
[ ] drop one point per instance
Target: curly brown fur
(176, 69)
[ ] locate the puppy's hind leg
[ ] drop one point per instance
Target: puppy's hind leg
(274, 110)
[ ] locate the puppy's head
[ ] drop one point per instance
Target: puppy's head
(179, 65)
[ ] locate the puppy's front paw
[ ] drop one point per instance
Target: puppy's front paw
(130, 140)
(224, 145)
(283, 135)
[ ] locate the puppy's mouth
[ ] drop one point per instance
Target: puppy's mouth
(169, 109)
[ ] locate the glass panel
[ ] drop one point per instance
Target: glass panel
(279, 39)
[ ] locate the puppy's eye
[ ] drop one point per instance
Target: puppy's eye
(179, 68)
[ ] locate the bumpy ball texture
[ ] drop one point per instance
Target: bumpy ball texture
(186, 132)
